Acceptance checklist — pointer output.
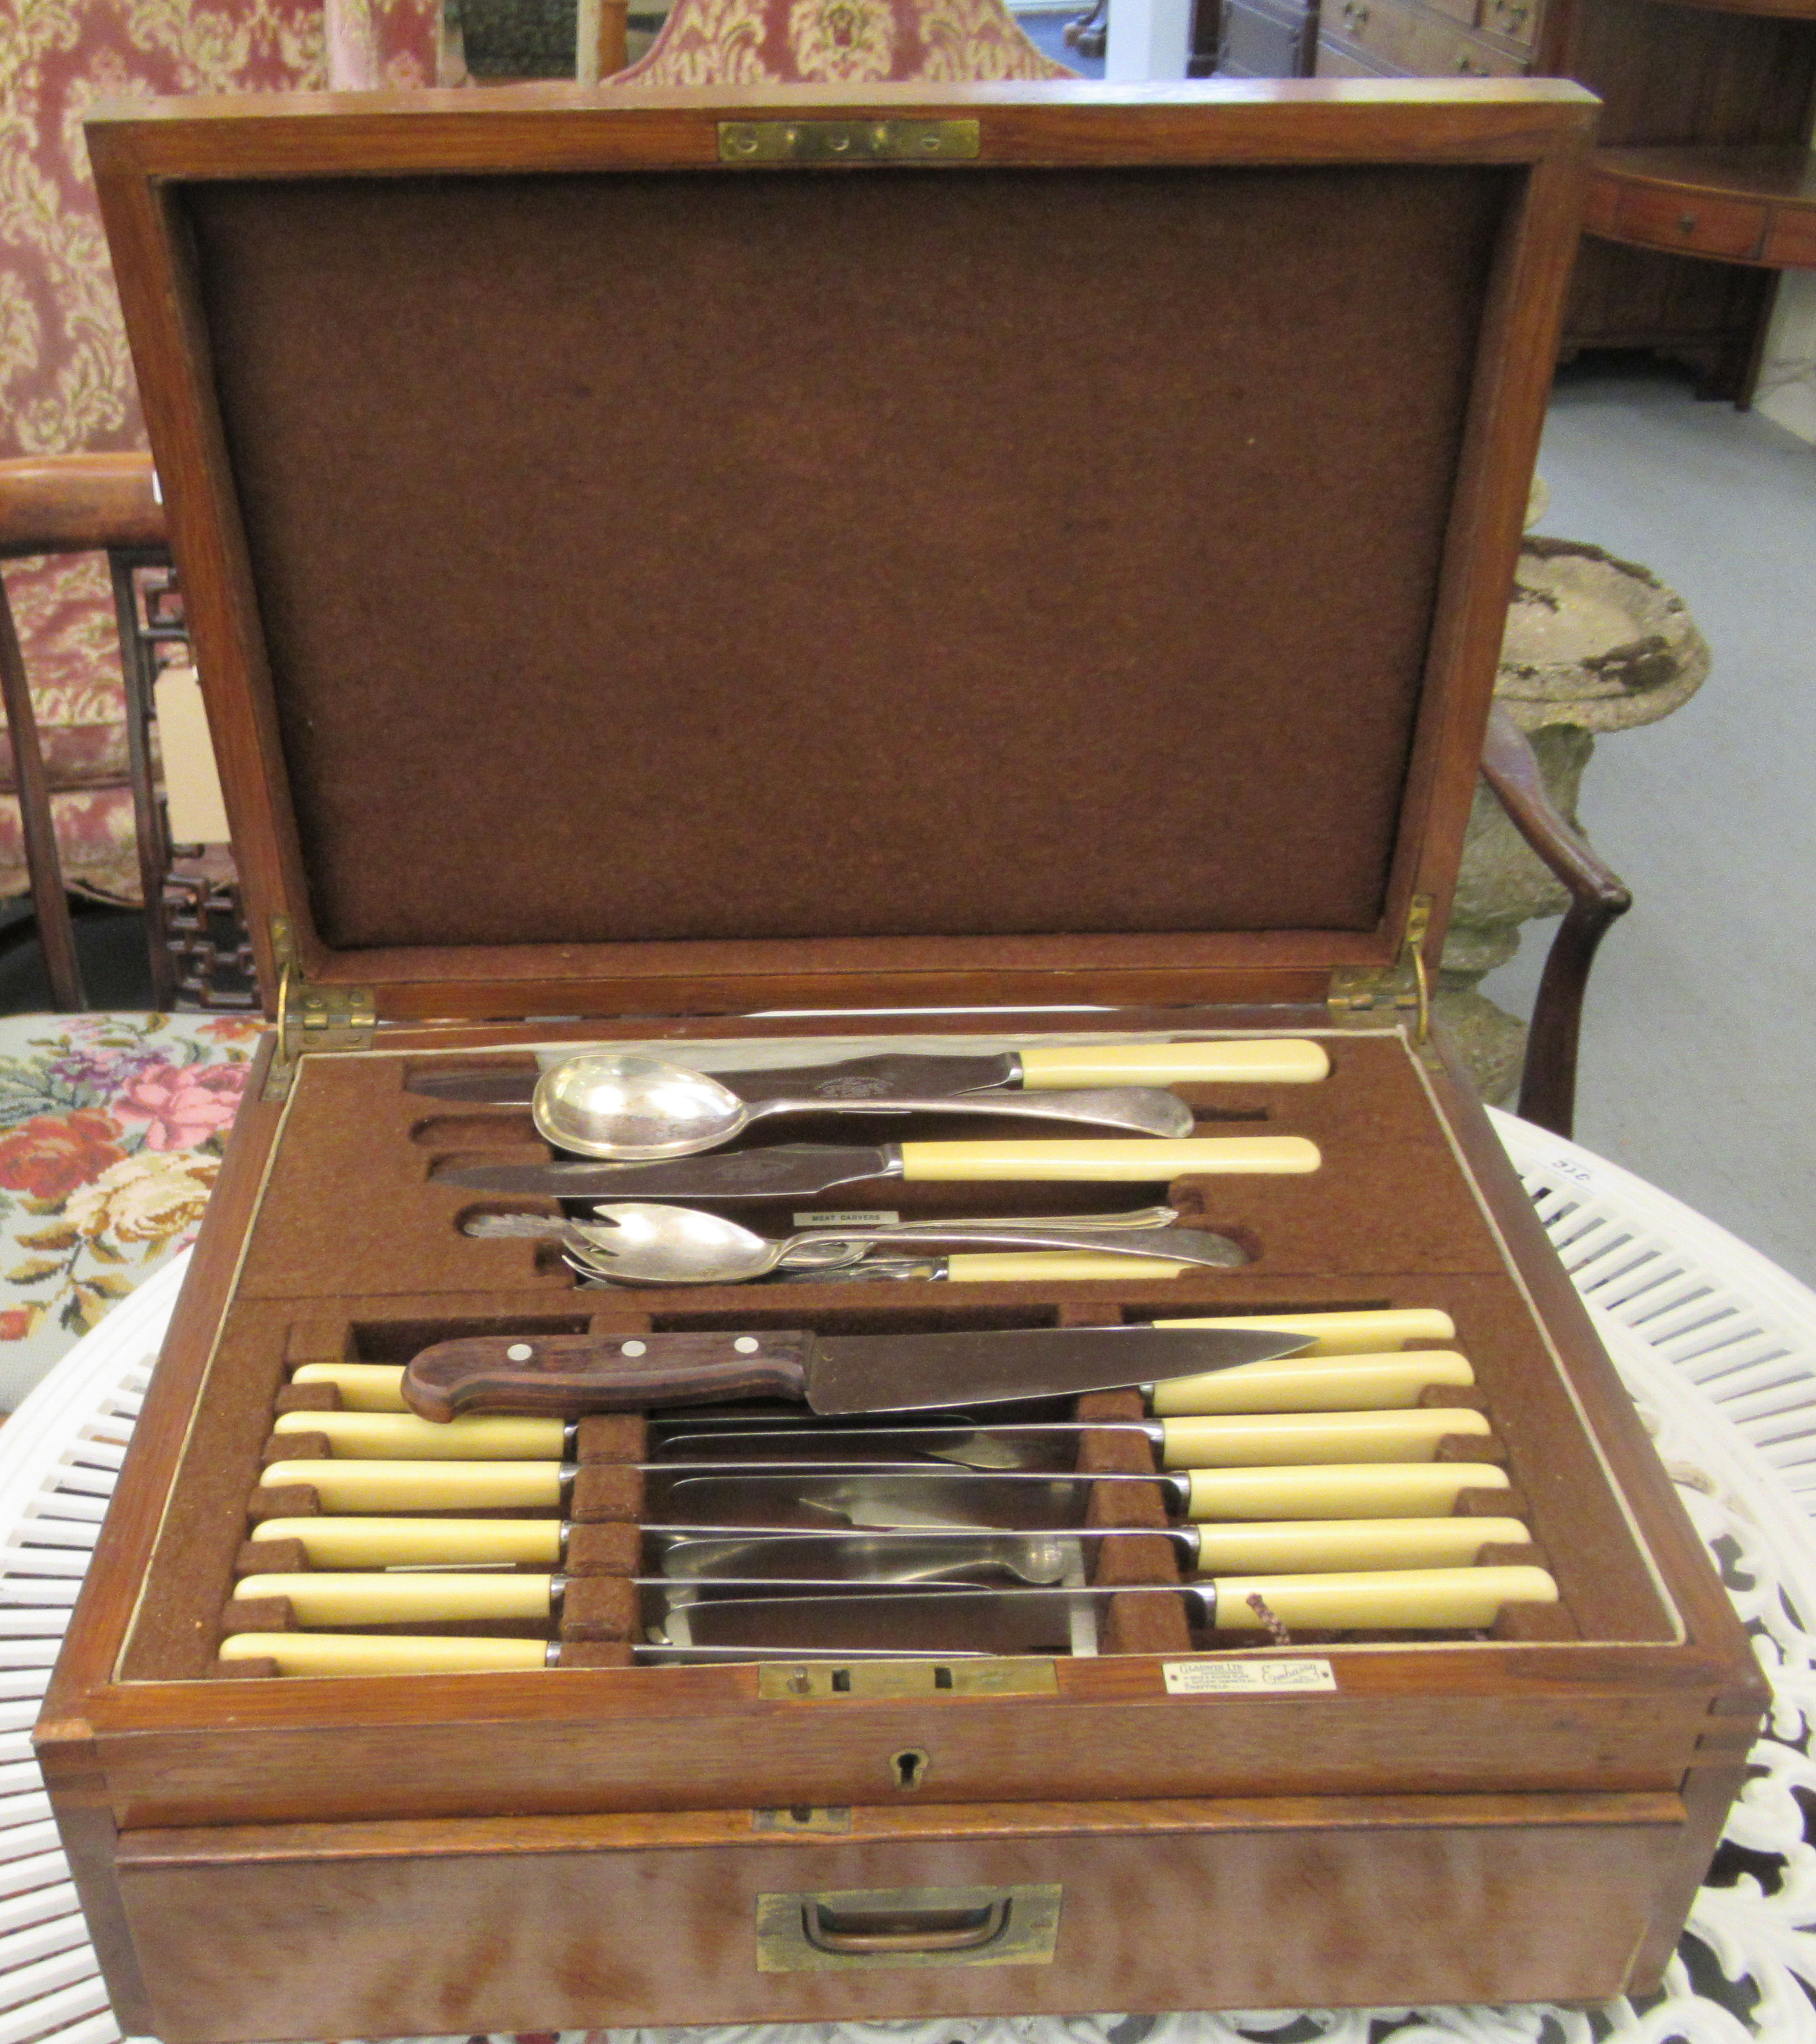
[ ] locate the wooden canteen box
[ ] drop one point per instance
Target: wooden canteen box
(732, 571)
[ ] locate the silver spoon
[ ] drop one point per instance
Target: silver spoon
(647, 1244)
(636, 1110)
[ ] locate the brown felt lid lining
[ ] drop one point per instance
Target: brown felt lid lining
(655, 557)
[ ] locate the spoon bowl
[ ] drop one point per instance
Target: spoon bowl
(636, 1110)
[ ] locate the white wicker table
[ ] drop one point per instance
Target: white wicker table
(1717, 1346)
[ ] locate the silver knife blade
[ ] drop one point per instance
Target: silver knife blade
(993, 1445)
(932, 1621)
(779, 1171)
(852, 1078)
(929, 1500)
(893, 1556)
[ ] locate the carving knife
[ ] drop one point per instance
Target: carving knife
(1311, 1379)
(882, 1555)
(731, 1612)
(1256, 1440)
(795, 1171)
(569, 1374)
(1265, 1061)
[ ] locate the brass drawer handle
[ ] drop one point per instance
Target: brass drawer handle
(850, 1929)
(873, 1930)
(1686, 223)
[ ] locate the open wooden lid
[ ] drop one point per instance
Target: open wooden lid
(627, 577)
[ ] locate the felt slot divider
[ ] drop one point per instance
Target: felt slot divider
(606, 1502)
(353, 1207)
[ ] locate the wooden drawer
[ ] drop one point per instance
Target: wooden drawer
(1404, 38)
(465, 1928)
(1516, 20)
(1689, 221)
(1335, 60)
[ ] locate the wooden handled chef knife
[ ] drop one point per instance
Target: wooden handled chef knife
(568, 1374)
(1266, 1061)
(798, 1170)
(1341, 1379)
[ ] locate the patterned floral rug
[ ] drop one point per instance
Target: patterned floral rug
(111, 1132)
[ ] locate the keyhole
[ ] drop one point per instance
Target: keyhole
(909, 1767)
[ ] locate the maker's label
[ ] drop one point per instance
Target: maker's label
(855, 1217)
(1204, 1678)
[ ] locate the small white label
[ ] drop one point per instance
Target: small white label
(862, 1217)
(1205, 1678)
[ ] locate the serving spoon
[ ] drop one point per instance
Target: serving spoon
(647, 1244)
(636, 1110)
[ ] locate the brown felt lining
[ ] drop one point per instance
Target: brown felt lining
(754, 557)
(352, 1207)
(354, 1254)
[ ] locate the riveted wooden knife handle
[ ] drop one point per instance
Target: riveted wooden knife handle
(570, 1374)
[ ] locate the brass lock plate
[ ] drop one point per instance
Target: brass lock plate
(1017, 1675)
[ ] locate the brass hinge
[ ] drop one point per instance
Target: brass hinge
(1355, 989)
(311, 1017)
(848, 142)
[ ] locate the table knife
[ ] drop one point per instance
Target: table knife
(890, 1554)
(733, 1612)
(1020, 1501)
(805, 1494)
(569, 1374)
(1401, 1435)
(795, 1171)
(1266, 1061)
(1040, 1621)
(952, 1624)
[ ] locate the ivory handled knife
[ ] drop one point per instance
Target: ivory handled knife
(1368, 1331)
(1307, 1381)
(947, 1623)
(1268, 1547)
(794, 1170)
(1396, 1435)
(802, 1494)
(1257, 1061)
(1423, 1597)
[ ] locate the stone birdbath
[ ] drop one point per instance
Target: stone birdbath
(1593, 645)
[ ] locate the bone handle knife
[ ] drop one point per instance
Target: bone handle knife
(1348, 1490)
(1265, 1548)
(1405, 1435)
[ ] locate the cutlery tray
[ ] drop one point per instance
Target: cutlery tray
(756, 673)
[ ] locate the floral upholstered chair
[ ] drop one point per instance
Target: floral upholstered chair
(793, 42)
(111, 1130)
